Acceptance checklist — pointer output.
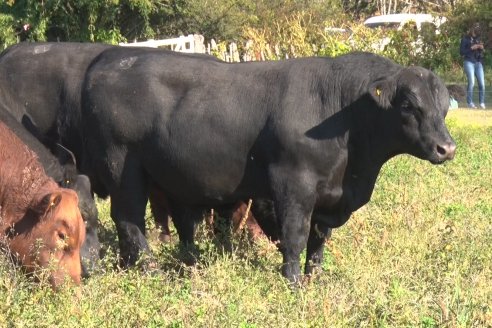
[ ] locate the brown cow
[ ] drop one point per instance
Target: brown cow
(40, 223)
(160, 210)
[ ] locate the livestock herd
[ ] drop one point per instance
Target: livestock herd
(304, 138)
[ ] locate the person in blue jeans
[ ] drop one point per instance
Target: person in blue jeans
(471, 49)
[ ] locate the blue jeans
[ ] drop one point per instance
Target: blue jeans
(473, 70)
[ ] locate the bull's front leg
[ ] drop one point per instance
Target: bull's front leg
(128, 203)
(318, 234)
(130, 224)
(294, 214)
(321, 228)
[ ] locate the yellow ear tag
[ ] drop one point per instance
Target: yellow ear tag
(378, 92)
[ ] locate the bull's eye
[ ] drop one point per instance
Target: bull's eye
(406, 106)
(61, 236)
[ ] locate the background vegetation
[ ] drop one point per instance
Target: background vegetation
(274, 28)
(418, 255)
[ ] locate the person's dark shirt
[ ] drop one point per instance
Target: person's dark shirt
(466, 51)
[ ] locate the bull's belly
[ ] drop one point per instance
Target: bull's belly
(202, 165)
(201, 181)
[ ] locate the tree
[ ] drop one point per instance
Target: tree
(272, 28)
(77, 20)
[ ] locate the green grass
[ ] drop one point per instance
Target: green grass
(418, 255)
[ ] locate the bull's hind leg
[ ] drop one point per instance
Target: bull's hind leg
(318, 234)
(128, 203)
(264, 212)
(185, 220)
(160, 210)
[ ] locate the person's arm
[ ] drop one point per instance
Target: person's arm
(478, 45)
(465, 47)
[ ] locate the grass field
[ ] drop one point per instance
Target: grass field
(418, 255)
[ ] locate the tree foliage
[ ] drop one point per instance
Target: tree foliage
(268, 29)
(80, 20)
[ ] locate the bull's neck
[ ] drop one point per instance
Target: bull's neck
(371, 144)
(374, 134)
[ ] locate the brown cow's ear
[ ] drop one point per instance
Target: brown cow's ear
(49, 202)
(383, 93)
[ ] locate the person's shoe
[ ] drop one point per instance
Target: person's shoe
(472, 106)
(482, 106)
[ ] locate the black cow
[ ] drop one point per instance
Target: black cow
(66, 176)
(40, 85)
(309, 134)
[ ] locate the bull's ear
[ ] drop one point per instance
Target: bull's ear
(48, 203)
(383, 92)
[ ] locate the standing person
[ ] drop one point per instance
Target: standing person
(471, 49)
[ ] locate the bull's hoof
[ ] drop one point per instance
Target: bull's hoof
(134, 258)
(292, 272)
(149, 265)
(312, 269)
(188, 254)
(88, 268)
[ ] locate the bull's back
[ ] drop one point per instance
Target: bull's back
(174, 90)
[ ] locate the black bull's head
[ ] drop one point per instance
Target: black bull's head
(418, 102)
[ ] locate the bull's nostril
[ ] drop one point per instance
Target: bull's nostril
(441, 150)
(446, 151)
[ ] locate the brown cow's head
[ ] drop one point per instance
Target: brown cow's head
(50, 236)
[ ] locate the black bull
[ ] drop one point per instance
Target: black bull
(310, 134)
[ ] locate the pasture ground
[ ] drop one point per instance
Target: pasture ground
(418, 255)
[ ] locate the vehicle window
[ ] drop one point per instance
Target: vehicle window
(384, 25)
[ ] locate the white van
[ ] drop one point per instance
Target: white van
(398, 21)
